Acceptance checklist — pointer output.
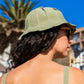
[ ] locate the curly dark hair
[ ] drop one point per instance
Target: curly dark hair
(32, 44)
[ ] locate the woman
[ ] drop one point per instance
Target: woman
(46, 37)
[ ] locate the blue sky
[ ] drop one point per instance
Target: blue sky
(73, 10)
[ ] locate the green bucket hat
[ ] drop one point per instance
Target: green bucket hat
(45, 18)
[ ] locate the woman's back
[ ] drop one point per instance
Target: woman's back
(46, 37)
(36, 73)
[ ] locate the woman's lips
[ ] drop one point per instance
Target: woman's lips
(68, 47)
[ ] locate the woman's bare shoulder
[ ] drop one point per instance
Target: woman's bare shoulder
(1, 78)
(77, 71)
(76, 75)
(9, 79)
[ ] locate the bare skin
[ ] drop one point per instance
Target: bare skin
(43, 70)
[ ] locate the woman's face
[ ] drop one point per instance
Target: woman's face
(62, 44)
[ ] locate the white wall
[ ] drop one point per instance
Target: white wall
(4, 57)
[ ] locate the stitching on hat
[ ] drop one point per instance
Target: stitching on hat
(43, 9)
(45, 12)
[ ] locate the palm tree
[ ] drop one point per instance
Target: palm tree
(10, 30)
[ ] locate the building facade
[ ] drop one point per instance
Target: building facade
(77, 53)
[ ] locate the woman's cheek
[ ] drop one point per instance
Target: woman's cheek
(61, 44)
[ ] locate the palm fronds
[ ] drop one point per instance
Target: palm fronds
(18, 10)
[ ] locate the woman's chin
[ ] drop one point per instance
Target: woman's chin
(68, 49)
(65, 54)
(61, 54)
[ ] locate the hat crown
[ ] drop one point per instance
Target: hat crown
(41, 15)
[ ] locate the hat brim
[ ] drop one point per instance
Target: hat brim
(71, 26)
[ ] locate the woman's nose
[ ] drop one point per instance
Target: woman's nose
(70, 40)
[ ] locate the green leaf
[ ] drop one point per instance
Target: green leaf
(3, 19)
(8, 12)
(3, 8)
(26, 6)
(12, 2)
(7, 3)
(22, 3)
(10, 7)
(19, 3)
(31, 6)
(16, 6)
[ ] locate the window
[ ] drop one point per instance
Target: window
(83, 45)
(77, 63)
(83, 50)
(83, 53)
(82, 67)
(76, 50)
(76, 47)
(71, 61)
(76, 37)
(83, 33)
